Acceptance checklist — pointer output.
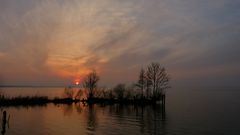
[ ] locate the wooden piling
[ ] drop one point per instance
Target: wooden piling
(4, 117)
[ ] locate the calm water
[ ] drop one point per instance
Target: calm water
(187, 112)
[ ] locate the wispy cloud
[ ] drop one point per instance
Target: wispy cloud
(64, 39)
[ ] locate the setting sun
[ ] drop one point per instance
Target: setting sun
(77, 83)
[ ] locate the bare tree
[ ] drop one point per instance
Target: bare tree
(157, 78)
(78, 94)
(110, 94)
(119, 90)
(148, 88)
(142, 81)
(90, 83)
(68, 92)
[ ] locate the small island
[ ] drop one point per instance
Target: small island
(149, 89)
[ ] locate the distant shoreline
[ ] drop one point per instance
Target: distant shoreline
(30, 86)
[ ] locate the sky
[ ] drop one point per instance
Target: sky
(54, 42)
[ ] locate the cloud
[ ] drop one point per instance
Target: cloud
(64, 39)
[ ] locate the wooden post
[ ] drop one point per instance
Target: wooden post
(4, 121)
(4, 118)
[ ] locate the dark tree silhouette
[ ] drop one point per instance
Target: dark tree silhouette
(142, 81)
(90, 83)
(119, 91)
(148, 88)
(157, 79)
(68, 92)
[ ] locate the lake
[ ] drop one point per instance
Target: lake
(187, 112)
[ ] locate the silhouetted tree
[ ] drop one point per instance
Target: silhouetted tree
(157, 78)
(78, 94)
(110, 94)
(141, 81)
(90, 83)
(119, 91)
(68, 92)
(148, 88)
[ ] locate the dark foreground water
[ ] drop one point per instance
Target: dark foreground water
(187, 112)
